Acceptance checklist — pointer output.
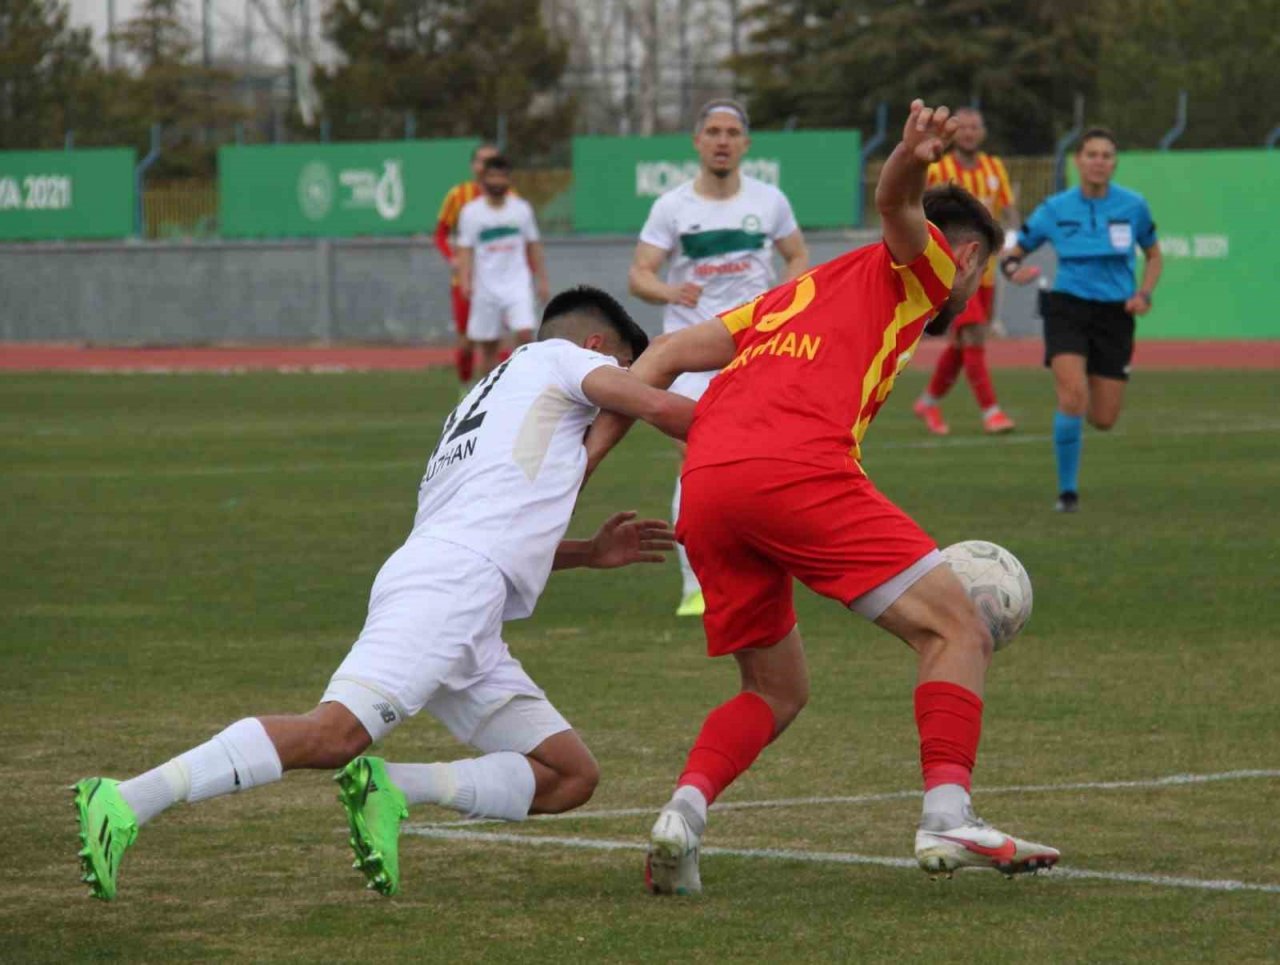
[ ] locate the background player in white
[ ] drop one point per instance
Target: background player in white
(500, 258)
(493, 507)
(718, 232)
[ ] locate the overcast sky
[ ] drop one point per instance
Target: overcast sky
(228, 23)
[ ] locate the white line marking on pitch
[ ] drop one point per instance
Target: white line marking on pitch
(419, 464)
(828, 857)
(1171, 780)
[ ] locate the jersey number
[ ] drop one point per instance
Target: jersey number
(455, 428)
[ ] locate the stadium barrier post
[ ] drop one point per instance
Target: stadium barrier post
(139, 177)
(870, 147)
(1064, 145)
(1179, 123)
(410, 125)
(69, 140)
(1274, 137)
(326, 130)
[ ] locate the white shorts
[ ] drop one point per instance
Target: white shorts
(692, 384)
(433, 639)
(490, 312)
(874, 602)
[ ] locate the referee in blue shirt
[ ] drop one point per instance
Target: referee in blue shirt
(1095, 230)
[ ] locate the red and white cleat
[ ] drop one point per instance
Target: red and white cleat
(944, 845)
(931, 415)
(997, 422)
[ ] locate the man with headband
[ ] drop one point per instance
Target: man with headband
(717, 233)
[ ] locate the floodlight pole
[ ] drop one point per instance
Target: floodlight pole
(1274, 137)
(139, 177)
(111, 34)
(1064, 145)
(1179, 123)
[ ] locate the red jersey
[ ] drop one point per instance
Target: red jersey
(817, 357)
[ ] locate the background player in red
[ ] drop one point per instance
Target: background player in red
(774, 489)
(984, 176)
(455, 199)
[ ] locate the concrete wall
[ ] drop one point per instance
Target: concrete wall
(384, 290)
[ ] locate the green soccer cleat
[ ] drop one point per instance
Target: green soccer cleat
(107, 828)
(375, 807)
(692, 605)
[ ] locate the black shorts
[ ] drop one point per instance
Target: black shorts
(1100, 331)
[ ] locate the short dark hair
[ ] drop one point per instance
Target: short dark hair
(597, 305)
(952, 209)
(499, 162)
(1103, 132)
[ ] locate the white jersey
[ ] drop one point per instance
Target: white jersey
(724, 246)
(498, 238)
(506, 473)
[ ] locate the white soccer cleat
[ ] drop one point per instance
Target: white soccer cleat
(944, 845)
(672, 865)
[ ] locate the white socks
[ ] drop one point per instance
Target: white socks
(693, 797)
(948, 799)
(689, 580)
(497, 785)
(240, 757)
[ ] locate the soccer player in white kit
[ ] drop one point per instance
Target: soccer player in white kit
(719, 232)
(500, 258)
(493, 508)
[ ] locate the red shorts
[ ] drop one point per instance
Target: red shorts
(461, 309)
(750, 526)
(978, 309)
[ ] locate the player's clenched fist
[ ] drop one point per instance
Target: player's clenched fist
(928, 131)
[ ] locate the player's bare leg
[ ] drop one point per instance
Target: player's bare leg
(692, 603)
(487, 353)
(1071, 386)
(936, 619)
(775, 688)
(1106, 398)
(250, 753)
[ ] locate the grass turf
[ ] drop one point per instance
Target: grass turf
(184, 551)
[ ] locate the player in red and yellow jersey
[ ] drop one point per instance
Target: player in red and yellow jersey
(455, 200)
(774, 490)
(984, 176)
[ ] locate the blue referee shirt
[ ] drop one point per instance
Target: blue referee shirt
(1095, 240)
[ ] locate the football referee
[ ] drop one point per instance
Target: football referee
(1095, 230)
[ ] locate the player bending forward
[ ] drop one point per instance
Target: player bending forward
(773, 489)
(492, 509)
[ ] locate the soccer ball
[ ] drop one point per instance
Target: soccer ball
(997, 584)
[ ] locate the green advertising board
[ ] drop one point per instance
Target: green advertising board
(1213, 212)
(66, 194)
(337, 190)
(616, 179)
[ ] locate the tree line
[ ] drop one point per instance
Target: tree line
(503, 68)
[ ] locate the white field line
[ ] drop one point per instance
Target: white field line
(827, 857)
(962, 442)
(1171, 780)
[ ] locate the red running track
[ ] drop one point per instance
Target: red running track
(1003, 354)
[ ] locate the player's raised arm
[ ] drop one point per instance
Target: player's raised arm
(704, 347)
(621, 540)
(925, 136)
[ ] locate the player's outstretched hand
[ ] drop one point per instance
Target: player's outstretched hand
(622, 540)
(928, 131)
(1025, 275)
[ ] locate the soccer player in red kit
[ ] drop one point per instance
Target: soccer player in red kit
(773, 489)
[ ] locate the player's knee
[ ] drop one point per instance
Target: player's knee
(1072, 401)
(786, 702)
(336, 736)
(1103, 421)
(971, 633)
(579, 786)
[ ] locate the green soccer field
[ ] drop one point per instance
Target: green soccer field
(181, 552)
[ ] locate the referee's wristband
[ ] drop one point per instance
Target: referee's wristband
(1010, 264)
(1145, 296)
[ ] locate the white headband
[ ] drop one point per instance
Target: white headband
(722, 109)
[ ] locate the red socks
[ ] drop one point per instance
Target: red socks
(945, 372)
(732, 736)
(949, 719)
(464, 361)
(975, 368)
